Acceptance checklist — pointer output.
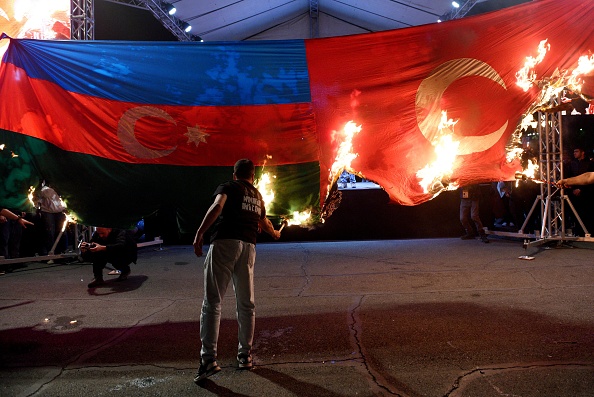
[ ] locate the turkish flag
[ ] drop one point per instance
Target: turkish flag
(395, 85)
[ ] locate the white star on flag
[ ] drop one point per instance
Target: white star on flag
(196, 135)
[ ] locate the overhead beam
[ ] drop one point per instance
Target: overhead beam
(459, 12)
(132, 3)
(314, 13)
(157, 8)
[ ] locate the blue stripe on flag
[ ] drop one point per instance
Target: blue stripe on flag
(195, 74)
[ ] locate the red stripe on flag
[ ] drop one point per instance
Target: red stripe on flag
(156, 134)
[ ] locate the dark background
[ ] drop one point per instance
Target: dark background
(122, 22)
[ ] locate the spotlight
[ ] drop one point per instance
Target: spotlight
(170, 8)
(455, 4)
(186, 27)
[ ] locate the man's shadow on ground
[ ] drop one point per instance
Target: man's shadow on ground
(283, 380)
(114, 286)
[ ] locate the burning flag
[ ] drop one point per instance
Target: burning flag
(435, 176)
(466, 67)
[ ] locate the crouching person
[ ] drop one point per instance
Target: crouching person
(107, 245)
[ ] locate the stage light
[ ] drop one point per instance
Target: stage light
(170, 8)
(439, 20)
(186, 27)
(455, 4)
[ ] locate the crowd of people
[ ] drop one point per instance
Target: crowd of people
(45, 224)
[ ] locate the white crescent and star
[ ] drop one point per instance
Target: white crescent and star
(127, 134)
(431, 90)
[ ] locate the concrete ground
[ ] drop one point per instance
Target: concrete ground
(427, 317)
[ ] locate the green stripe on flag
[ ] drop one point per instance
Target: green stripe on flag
(116, 194)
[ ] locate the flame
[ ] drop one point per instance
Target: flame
(299, 218)
(531, 169)
(434, 175)
(2, 146)
(550, 90)
(69, 219)
(31, 195)
(526, 76)
(345, 154)
(529, 173)
(264, 185)
(552, 86)
(585, 66)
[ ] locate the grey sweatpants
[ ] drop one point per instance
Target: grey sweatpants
(228, 260)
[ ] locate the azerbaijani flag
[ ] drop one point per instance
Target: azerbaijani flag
(122, 128)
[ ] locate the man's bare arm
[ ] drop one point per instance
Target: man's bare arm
(266, 226)
(211, 216)
(586, 178)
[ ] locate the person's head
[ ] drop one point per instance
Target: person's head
(244, 169)
(103, 232)
(579, 153)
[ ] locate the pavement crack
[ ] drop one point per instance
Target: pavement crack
(484, 372)
(356, 331)
(534, 279)
(304, 264)
(126, 332)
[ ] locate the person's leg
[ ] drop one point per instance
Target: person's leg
(99, 260)
(48, 234)
(218, 268)
(474, 215)
(465, 218)
(14, 242)
(243, 282)
(4, 238)
(122, 265)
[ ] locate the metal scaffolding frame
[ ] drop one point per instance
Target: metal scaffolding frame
(82, 20)
(159, 10)
(552, 202)
(555, 205)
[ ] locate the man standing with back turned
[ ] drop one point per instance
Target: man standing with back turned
(239, 213)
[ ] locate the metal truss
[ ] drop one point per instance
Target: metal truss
(550, 133)
(314, 13)
(157, 7)
(459, 12)
(82, 20)
(554, 203)
(131, 3)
